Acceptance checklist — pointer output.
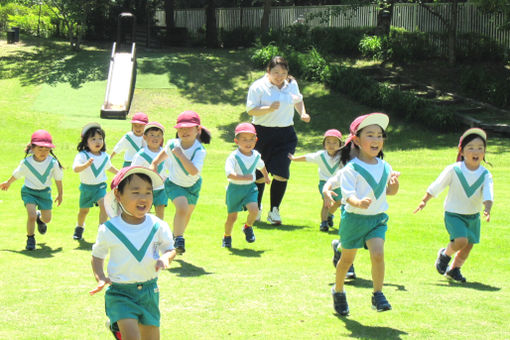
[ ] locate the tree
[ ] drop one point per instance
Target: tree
(264, 22)
(211, 33)
(169, 15)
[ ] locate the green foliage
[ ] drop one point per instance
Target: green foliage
(238, 37)
(403, 46)
(263, 55)
(340, 41)
(27, 18)
(371, 46)
(311, 65)
(479, 84)
(473, 47)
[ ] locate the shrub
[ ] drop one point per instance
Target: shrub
(238, 37)
(263, 55)
(371, 46)
(342, 41)
(475, 47)
(403, 46)
(311, 65)
(27, 19)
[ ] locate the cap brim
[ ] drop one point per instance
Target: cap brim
(375, 119)
(88, 127)
(46, 145)
(185, 125)
(474, 131)
(149, 125)
(138, 122)
(250, 132)
(156, 179)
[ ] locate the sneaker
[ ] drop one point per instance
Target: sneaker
(41, 226)
(78, 233)
(227, 242)
(337, 254)
(340, 302)
(179, 245)
(30, 243)
(454, 274)
(114, 329)
(250, 236)
(330, 220)
(259, 214)
(379, 302)
(442, 261)
(350, 273)
(324, 226)
(273, 217)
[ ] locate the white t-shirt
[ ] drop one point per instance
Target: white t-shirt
(262, 93)
(38, 175)
(176, 173)
(328, 166)
(354, 184)
(123, 266)
(131, 144)
(232, 165)
(145, 156)
(96, 172)
(457, 200)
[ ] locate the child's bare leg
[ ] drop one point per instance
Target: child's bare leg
(253, 210)
(376, 247)
(103, 216)
(324, 211)
(31, 218)
(129, 329)
(462, 256)
(82, 214)
(160, 211)
(334, 207)
(149, 332)
(181, 211)
(46, 216)
(191, 208)
(342, 267)
(456, 245)
(229, 223)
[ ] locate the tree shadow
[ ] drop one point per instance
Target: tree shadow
(84, 245)
(42, 251)
(471, 285)
(361, 331)
(188, 270)
(281, 227)
(246, 252)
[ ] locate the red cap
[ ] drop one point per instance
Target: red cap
(187, 119)
(473, 131)
(245, 128)
(140, 118)
(359, 123)
(156, 179)
(42, 138)
(154, 125)
(333, 133)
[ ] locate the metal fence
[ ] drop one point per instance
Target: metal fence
(412, 17)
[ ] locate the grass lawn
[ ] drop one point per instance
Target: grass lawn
(278, 287)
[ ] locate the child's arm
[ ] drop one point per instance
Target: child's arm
(393, 185)
(300, 108)
(297, 159)
(263, 110)
(113, 170)
(97, 269)
(423, 202)
(186, 163)
(60, 191)
(328, 194)
(164, 261)
(5, 185)
(162, 155)
(266, 175)
(237, 177)
(363, 203)
(113, 154)
(487, 210)
(81, 167)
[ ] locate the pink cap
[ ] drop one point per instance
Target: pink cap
(42, 138)
(245, 128)
(140, 118)
(333, 133)
(473, 131)
(156, 179)
(154, 125)
(359, 123)
(187, 119)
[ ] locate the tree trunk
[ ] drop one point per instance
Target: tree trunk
(264, 22)
(452, 32)
(384, 16)
(169, 15)
(211, 34)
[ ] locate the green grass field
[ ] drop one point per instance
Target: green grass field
(278, 287)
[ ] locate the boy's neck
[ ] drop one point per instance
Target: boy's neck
(98, 153)
(245, 153)
(156, 149)
(331, 154)
(132, 219)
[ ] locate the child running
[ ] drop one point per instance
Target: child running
(242, 191)
(153, 136)
(134, 240)
(366, 180)
(132, 141)
(329, 164)
(185, 158)
(91, 163)
(38, 168)
(470, 187)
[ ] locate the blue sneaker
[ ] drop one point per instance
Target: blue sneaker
(379, 302)
(227, 242)
(248, 232)
(455, 275)
(30, 243)
(78, 233)
(442, 261)
(41, 226)
(340, 302)
(179, 245)
(324, 226)
(330, 220)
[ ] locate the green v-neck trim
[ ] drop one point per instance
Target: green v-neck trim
(149, 160)
(330, 169)
(97, 171)
(377, 187)
(133, 144)
(244, 169)
(469, 189)
(137, 253)
(41, 177)
(179, 161)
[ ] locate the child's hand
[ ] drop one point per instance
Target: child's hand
(267, 179)
(420, 207)
(274, 106)
(487, 215)
(5, 185)
(394, 177)
(100, 285)
(364, 203)
(328, 197)
(305, 117)
(291, 156)
(58, 200)
(89, 162)
(160, 264)
(177, 151)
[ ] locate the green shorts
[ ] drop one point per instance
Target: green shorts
(41, 198)
(239, 195)
(337, 191)
(160, 198)
(356, 229)
(138, 301)
(191, 193)
(90, 194)
(459, 225)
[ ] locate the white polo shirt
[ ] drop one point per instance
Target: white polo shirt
(96, 172)
(176, 173)
(232, 165)
(328, 166)
(38, 175)
(129, 143)
(457, 200)
(145, 156)
(263, 93)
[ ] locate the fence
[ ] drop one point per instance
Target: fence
(412, 17)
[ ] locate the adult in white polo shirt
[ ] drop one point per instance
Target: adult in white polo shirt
(271, 102)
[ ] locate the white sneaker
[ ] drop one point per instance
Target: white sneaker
(259, 215)
(273, 217)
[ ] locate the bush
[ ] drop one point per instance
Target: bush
(27, 19)
(311, 65)
(473, 47)
(238, 37)
(263, 55)
(476, 82)
(371, 46)
(341, 41)
(403, 46)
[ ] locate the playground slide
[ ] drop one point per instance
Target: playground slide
(119, 92)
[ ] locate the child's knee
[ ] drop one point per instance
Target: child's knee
(460, 242)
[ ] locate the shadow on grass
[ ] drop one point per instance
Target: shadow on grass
(84, 245)
(188, 270)
(282, 227)
(471, 285)
(364, 283)
(42, 251)
(246, 252)
(361, 331)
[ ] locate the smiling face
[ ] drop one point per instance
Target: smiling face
(136, 198)
(277, 75)
(40, 152)
(332, 144)
(246, 142)
(137, 129)
(95, 143)
(370, 142)
(154, 139)
(473, 153)
(188, 135)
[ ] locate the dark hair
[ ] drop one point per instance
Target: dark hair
(153, 128)
(279, 61)
(129, 178)
(468, 139)
(83, 146)
(346, 151)
(204, 136)
(29, 148)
